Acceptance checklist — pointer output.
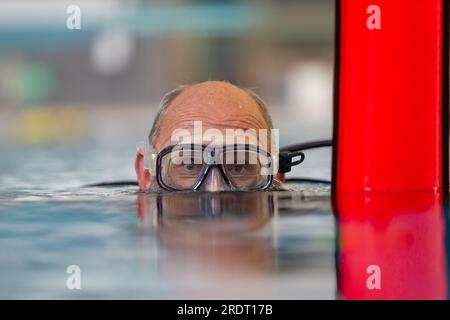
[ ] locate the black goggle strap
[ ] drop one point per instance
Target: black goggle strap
(286, 160)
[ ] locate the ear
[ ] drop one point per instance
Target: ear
(143, 175)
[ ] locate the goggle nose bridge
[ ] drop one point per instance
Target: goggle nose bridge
(207, 168)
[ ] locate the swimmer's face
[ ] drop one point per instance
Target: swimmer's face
(219, 106)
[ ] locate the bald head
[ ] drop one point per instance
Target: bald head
(219, 105)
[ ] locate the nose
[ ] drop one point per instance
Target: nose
(214, 181)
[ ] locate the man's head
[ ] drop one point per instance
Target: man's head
(219, 106)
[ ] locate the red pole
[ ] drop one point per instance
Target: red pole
(390, 158)
(391, 99)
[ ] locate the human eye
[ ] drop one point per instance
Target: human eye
(189, 166)
(186, 168)
(237, 169)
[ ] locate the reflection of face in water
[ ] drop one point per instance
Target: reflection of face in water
(222, 233)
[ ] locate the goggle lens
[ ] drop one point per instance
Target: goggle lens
(183, 168)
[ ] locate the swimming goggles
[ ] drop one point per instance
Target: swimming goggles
(243, 167)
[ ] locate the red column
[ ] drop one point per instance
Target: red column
(391, 92)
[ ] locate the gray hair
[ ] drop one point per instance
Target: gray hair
(170, 96)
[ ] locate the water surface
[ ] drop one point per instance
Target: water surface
(277, 245)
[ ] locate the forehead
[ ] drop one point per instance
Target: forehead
(217, 106)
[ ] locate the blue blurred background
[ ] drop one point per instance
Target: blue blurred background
(90, 94)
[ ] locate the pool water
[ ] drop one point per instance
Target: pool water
(134, 245)
(231, 245)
